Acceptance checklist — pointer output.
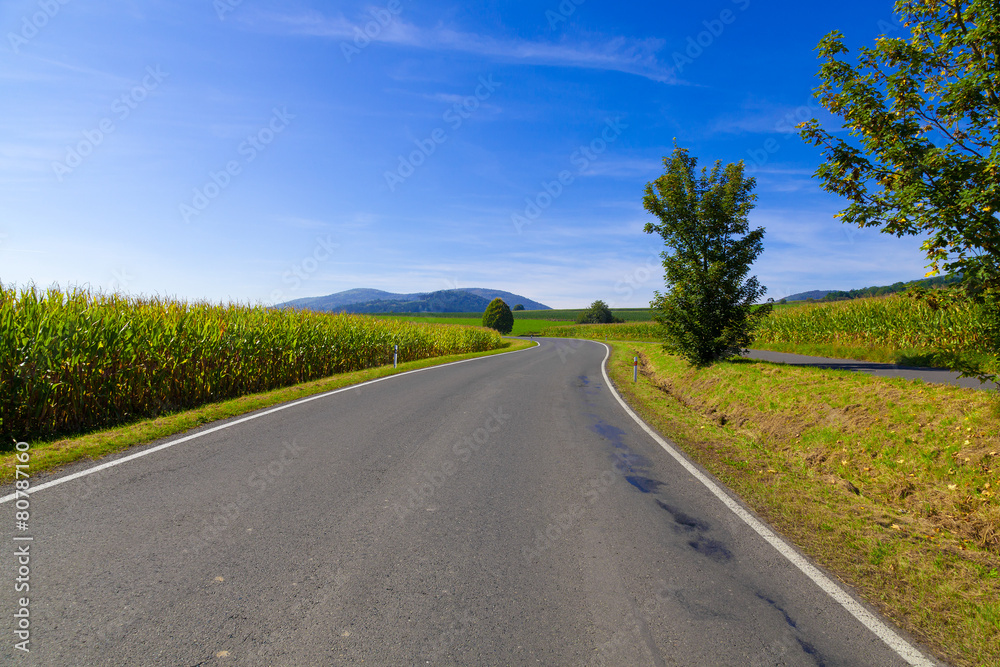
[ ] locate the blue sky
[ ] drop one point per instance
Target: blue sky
(262, 151)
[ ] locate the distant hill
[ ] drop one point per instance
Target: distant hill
(882, 290)
(814, 294)
(509, 298)
(335, 301)
(470, 300)
(445, 301)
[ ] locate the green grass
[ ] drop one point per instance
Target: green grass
(46, 455)
(921, 536)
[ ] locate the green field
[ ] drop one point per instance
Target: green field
(566, 315)
(523, 327)
(570, 314)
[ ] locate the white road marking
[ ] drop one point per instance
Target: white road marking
(906, 651)
(285, 406)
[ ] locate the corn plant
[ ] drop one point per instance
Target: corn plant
(896, 322)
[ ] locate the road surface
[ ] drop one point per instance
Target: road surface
(500, 511)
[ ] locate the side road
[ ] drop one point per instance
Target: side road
(936, 375)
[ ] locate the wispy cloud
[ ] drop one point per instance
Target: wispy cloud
(625, 168)
(617, 54)
(763, 117)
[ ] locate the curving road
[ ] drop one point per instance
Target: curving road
(934, 375)
(501, 511)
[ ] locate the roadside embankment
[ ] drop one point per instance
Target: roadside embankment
(889, 483)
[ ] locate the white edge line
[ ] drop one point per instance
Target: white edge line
(907, 651)
(283, 406)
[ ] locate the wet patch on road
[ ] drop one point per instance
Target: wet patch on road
(644, 484)
(806, 647)
(683, 521)
(635, 469)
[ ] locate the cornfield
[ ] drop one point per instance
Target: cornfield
(75, 361)
(895, 322)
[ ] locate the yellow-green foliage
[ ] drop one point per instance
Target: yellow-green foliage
(647, 331)
(897, 322)
(72, 361)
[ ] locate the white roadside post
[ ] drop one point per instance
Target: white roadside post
(395, 356)
(635, 369)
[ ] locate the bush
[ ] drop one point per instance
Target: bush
(598, 313)
(519, 307)
(498, 316)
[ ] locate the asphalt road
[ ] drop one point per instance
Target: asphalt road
(502, 511)
(936, 375)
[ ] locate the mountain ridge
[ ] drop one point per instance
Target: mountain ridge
(879, 290)
(367, 300)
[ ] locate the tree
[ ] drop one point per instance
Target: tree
(598, 313)
(518, 307)
(924, 112)
(498, 316)
(708, 311)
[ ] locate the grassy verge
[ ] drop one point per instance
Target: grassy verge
(49, 455)
(889, 483)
